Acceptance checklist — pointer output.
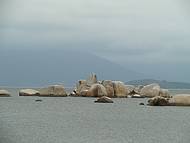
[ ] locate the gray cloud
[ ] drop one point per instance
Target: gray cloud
(124, 31)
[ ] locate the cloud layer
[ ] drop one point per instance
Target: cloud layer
(124, 31)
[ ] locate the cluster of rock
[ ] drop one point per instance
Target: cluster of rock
(51, 91)
(116, 89)
(148, 91)
(105, 90)
(94, 88)
(177, 100)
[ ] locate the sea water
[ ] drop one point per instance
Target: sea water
(80, 120)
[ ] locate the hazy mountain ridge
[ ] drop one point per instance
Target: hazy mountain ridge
(29, 67)
(162, 83)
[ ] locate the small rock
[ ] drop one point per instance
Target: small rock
(38, 100)
(141, 103)
(104, 99)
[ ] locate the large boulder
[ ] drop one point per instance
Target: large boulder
(151, 90)
(4, 93)
(84, 93)
(138, 89)
(92, 79)
(29, 92)
(54, 90)
(96, 90)
(177, 100)
(81, 87)
(180, 100)
(109, 87)
(130, 89)
(119, 89)
(104, 99)
(164, 93)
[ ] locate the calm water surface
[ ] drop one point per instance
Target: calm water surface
(80, 120)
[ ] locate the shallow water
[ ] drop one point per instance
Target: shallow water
(77, 119)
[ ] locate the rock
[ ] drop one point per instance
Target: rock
(164, 93)
(38, 100)
(137, 96)
(82, 88)
(150, 91)
(73, 93)
(158, 101)
(84, 93)
(4, 93)
(92, 79)
(96, 90)
(177, 100)
(54, 90)
(180, 100)
(130, 89)
(138, 89)
(29, 92)
(109, 88)
(104, 99)
(119, 89)
(141, 103)
(81, 85)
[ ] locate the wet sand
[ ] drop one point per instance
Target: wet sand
(79, 119)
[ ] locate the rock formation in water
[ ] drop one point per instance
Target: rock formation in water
(29, 92)
(92, 79)
(54, 90)
(4, 93)
(120, 89)
(130, 89)
(153, 90)
(177, 100)
(108, 84)
(164, 93)
(104, 99)
(150, 91)
(97, 90)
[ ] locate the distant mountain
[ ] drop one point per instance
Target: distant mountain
(162, 83)
(39, 67)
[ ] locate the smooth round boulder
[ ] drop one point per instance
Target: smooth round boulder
(84, 93)
(53, 91)
(180, 100)
(104, 99)
(119, 89)
(150, 90)
(109, 88)
(164, 93)
(97, 90)
(29, 92)
(4, 93)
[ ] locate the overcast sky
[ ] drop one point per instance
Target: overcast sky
(151, 36)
